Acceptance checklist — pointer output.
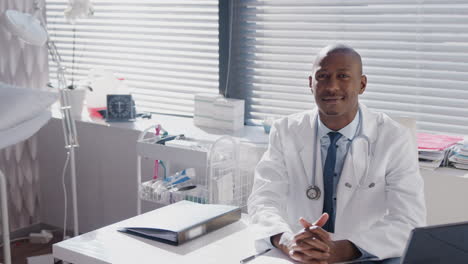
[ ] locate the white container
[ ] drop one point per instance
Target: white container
(77, 97)
(230, 125)
(228, 109)
(122, 88)
(102, 82)
(203, 121)
(203, 104)
(228, 113)
(215, 111)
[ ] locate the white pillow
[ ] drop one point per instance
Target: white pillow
(18, 105)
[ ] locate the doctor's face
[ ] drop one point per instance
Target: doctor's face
(336, 83)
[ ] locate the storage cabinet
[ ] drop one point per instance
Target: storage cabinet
(226, 176)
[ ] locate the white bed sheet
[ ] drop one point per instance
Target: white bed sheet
(23, 112)
(23, 130)
(19, 105)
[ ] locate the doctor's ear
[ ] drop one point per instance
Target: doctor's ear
(310, 85)
(363, 84)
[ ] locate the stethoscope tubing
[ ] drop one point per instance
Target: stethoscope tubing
(316, 150)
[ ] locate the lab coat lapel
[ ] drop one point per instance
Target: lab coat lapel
(353, 170)
(318, 173)
(357, 159)
(369, 124)
(310, 152)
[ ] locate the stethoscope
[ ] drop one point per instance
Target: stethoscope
(313, 192)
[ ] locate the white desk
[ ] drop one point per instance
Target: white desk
(106, 245)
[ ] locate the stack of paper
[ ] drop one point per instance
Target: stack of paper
(459, 158)
(431, 159)
(434, 149)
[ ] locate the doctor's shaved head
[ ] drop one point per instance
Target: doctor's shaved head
(337, 48)
(336, 83)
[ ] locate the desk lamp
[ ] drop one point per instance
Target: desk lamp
(32, 30)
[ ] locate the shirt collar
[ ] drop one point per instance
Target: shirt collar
(348, 131)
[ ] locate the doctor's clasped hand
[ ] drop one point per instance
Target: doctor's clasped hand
(314, 245)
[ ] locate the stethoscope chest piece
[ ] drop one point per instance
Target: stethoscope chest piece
(313, 192)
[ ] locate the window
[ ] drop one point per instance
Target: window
(167, 51)
(415, 55)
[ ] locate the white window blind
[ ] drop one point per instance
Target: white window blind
(167, 51)
(415, 55)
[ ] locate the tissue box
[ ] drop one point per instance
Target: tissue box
(228, 109)
(231, 125)
(203, 104)
(218, 112)
(203, 121)
(228, 114)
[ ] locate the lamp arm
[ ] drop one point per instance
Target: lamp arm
(68, 124)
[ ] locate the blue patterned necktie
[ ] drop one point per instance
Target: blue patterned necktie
(328, 174)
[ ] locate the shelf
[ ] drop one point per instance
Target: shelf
(190, 157)
(148, 193)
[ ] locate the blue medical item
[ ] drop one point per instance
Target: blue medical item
(179, 177)
(164, 167)
(184, 179)
(169, 138)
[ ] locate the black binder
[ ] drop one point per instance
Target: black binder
(177, 223)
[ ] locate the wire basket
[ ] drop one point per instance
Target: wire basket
(228, 176)
(231, 166)
(151, 191)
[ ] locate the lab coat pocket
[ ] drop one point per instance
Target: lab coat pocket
(370, 199)
(371, 184)
(369, 194)
(374, 180)
(293, 160)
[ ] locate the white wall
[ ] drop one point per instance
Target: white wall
(446, 193)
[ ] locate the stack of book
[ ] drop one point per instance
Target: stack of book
(434, 150)
(459, 157)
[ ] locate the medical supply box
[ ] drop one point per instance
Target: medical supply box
(215, 111)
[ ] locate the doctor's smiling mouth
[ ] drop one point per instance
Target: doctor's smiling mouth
(333, 100)
(337, 104)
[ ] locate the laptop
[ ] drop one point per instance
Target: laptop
(440, 244)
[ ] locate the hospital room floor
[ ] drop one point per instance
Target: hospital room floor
(21, 250)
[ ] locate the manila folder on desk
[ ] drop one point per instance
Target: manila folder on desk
(182, 221)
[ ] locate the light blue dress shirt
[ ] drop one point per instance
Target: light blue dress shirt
(348, 133)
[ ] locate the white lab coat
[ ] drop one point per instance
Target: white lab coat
(376, 211)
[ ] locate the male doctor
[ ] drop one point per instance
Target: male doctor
(340, 182)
